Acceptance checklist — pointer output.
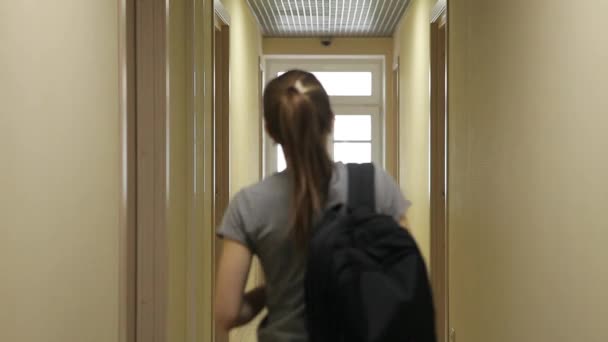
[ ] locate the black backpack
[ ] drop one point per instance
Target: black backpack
(366, 280)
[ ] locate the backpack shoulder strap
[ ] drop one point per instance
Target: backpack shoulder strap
(361, 186)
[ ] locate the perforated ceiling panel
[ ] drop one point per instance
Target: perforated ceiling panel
(332, 18)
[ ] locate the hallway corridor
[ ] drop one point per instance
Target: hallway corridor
(126, 126)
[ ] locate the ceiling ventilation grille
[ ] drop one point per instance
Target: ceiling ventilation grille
(336, 18)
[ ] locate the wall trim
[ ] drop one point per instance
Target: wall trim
(127, 301)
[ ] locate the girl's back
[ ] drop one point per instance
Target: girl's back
(259, 218)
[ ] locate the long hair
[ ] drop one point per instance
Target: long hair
(298, 116)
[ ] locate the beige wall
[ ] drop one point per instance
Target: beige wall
(245, 116)
(339, 46)
(349, 46)
(528, 190)
(59, 174)
(412, 47)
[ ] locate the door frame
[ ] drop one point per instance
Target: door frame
(128, 173)
(221, 129)
(144, 147)
(142, 276)
(221, 116)
(439, 153)
(396, 118)
(151, 139)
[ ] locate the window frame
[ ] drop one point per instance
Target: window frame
(373, 105)
(376, 140)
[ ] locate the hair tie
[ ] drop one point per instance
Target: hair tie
(300, 87)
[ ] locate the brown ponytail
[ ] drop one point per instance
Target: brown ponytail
(298, 117)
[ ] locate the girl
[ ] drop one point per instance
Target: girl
(274, 218)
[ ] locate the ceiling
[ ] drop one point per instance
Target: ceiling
(328, 18)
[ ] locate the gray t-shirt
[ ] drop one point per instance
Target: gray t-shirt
(258, 218)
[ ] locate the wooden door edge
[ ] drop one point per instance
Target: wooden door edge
(128, 162)
(150, 249)
(439, 243)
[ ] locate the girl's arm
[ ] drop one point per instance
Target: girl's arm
(234, 307)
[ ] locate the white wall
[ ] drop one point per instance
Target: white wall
(59, 170)
(528, 192)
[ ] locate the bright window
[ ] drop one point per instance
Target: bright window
(352, 138)
(353, 127)
(344, 83)
(351, 152)
(281, 163)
